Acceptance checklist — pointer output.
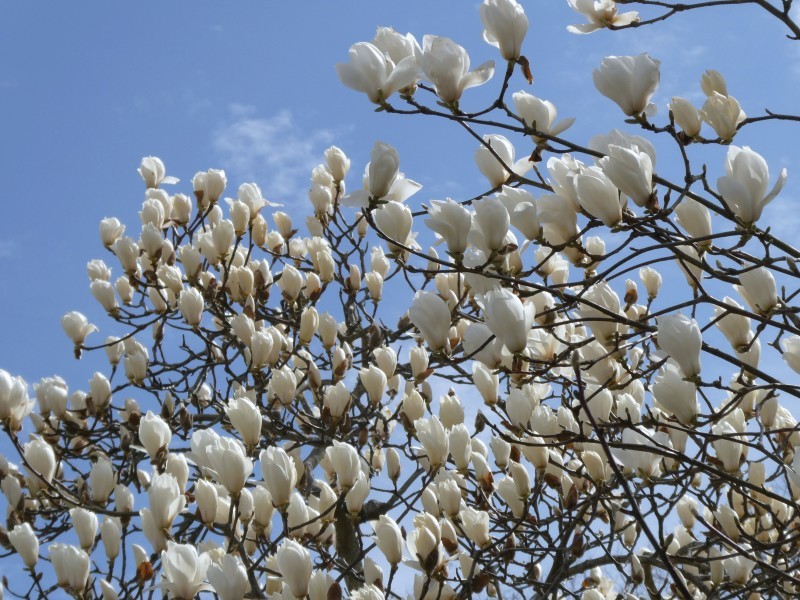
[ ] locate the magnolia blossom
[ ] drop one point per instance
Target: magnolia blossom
(434, 440)
(85, 524)
(680, 337)
(430, 314)
(452, 222)
(346, 462)
(505, 26)
(740, 566)
(191, 304)
(615, 137)
(395, 45)
(744, 186)
(246, 418)
(600, 13)
(724, 114)
(389, 539)
(539, 114)
(712, 81)
(476, 525)
(560, 224)
(630, 81)
(294, 565)
(229, 578)
(508, 318)
(631, 170)
(601, 303)
(696, 220)
(41, 458)
(638, 454)
(368, 592)
(153, 172)
(676, 395)
(382, 179)
(373, 72)
(230, 463)
(734, 325)
(759, 290)
(166, 500)
(337, 162)
(791, 352)
(184, 571)
(25, 542)
(492, 220)
(480, 344)
(71, 565)
(727, 446)
(395, 221)
(154, 434)
(495, 158)
(562, 170)
(279, 474)
(446, 66)
(598, 196)
(424, 542)
(77, 327)
(686, 116)
(110, 231)
(14, 402)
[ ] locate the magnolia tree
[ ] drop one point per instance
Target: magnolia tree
(281, 417)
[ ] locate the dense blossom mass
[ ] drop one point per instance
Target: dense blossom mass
(409, 397)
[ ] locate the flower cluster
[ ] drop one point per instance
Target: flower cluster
(326, 409)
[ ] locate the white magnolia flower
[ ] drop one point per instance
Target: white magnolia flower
(505, 26)
(631, 170)
(452, 222)
(229, 578)
(600, 14)
(680, 337)
(446, 66)
(71, 565)
(184, 571)
(508, 318)
(294, 565)
(791, 353)
(389, 539)
(153, 172)
(435, 443)
(430, 314)
(280, 475)
(686, 116)
(539, 114)
(724, 114)
(744, 186)
(154, 434)
(77, 327)
(166, 500)
(383, 180)
(495, 159)
(374, 73)
(759, 289)
(630, 81)
(23, 539)
(598, 196)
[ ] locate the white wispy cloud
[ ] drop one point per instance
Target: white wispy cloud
(277, 152)
(7, 248)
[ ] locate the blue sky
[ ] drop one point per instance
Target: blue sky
(87, 90)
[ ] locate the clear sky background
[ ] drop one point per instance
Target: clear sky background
(87, 89)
